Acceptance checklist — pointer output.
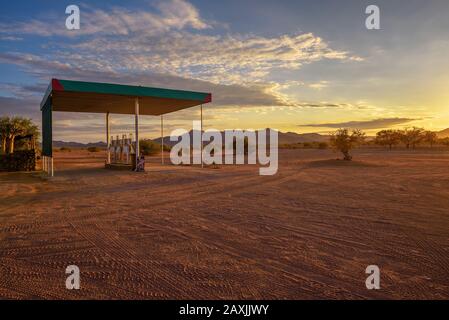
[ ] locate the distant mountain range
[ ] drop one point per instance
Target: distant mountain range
(284, 138)
(63, 144)
(443, 133)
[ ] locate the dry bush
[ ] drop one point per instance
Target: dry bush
(344, 141)
(93, 149)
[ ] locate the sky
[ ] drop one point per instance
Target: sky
(299, 66)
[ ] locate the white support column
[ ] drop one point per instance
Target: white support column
(51, 165)
(201, 135)
(162, 139)
(137, 129)
(108, 139)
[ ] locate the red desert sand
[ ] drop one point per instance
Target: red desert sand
(190, 233)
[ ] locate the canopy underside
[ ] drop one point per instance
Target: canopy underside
(102, 103)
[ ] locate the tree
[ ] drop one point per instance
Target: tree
(4, 132)
(344, 141)
(388, 138)
(11, 128)
(20, 127)
(412, 136)
(444, 141)
(430, 137)
(16, 128)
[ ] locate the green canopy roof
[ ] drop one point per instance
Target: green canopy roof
(78, 96)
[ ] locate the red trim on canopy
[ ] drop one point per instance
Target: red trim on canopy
(208, 98)
(56, 85)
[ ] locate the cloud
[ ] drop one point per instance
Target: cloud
(319, 85)
(27, 107)
(230, 58)
(225, 95)
(10, 38)
(169, 41)
(23, 91)
(369, 124)
(171, 15)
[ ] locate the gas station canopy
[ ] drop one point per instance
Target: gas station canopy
(77, 96)
(108, 98)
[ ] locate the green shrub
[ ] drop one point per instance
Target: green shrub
(149, 148)
(20, 160)
(167, 148)
(65, 149)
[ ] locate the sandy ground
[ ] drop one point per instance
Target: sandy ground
(185, 232)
